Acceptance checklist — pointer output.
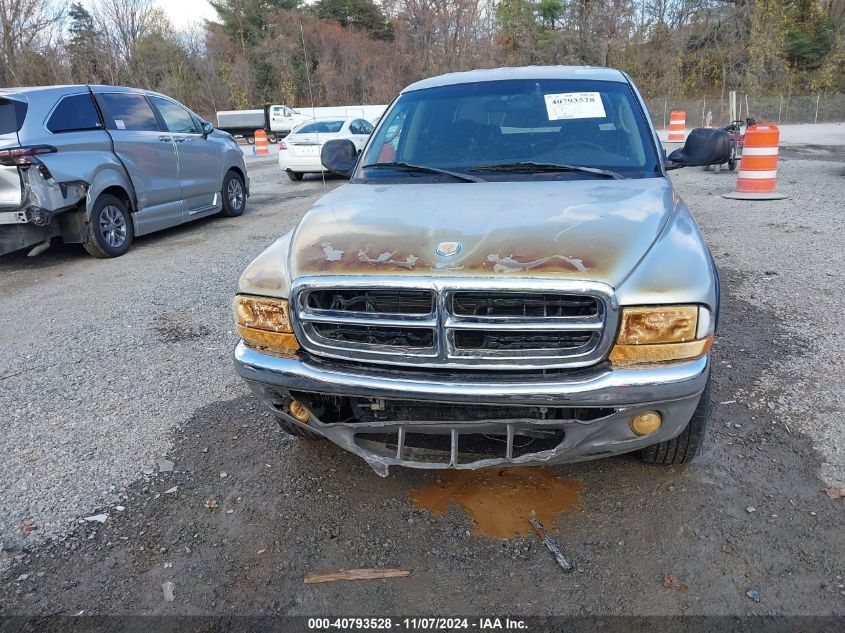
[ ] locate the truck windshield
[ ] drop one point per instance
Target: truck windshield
(508, 130)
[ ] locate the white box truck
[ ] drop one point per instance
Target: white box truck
(279, 120)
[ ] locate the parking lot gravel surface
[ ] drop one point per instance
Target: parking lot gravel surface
(108, 367)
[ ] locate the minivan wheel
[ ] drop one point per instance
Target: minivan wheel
(682, 449)
(109, 232)
(234, 194)
(295, 175)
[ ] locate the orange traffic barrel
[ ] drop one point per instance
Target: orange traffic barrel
(758, 166)
(677, 123)
(261, 148)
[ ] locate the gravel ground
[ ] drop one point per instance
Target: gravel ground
(793, 252)
(113, 365)
(104, 360)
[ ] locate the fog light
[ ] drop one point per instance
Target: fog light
(646, 423)
(301, 414)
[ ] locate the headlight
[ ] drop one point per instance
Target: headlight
(264, 324)
(653, 334)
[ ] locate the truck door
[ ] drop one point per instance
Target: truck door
(280, 119)
(200, 160)
(149, 155)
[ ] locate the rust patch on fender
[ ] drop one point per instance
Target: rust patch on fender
(501, 501)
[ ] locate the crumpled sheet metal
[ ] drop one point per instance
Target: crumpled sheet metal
(43, 197)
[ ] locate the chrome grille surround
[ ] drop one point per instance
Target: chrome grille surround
(443, 323)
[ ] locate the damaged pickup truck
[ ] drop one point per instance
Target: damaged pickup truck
(508, 278)
(99, 165)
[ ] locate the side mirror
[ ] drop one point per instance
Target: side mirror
(703, 147)
(339, 157)
(207, 128)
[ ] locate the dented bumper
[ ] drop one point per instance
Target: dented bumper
(41, 199)
(583, 415)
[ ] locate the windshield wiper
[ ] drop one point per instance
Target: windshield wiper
(532, 167)
(423, 168)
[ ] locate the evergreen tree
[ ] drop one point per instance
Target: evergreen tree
(365, 15)
(84, 47)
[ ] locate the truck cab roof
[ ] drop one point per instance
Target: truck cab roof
(596, 73)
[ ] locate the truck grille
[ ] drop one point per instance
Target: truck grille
(460, 323)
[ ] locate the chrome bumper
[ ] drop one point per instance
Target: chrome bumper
(673, 389)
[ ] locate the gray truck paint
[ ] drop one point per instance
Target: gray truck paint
(635, 237)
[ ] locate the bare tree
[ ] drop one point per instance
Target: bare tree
(123, 24)
(28, 28)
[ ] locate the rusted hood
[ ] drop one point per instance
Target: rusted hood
(580, 229)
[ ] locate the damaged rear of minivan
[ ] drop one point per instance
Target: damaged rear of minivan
(33, 192)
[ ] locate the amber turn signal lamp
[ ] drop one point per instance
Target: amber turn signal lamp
(264, 324)
(646, 423)
(656, 334)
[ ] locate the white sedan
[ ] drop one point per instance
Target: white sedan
(299, 152)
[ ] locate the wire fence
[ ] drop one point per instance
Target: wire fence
(779, 109)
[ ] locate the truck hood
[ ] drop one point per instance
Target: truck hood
(595, 230)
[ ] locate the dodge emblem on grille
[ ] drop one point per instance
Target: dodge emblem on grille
(447, 249)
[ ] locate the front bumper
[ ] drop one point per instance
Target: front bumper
(672, 389)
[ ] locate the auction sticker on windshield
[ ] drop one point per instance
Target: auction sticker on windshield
(574, 105)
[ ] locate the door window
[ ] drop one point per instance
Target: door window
(74, 113)
(176, 118)
(129, 112)
(360, 126)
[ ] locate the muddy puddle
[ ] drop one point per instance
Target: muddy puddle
(501, 501)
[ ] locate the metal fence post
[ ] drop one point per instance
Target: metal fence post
(818, 98)
(664, 114)
(780, 108)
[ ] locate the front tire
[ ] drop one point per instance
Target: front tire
(295, 175)
(109, 232)
(682, 449)
(234, 195)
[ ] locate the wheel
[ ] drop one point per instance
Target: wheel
(295, 175)
(250, 140)
(109, 232)
(298, 431)
(732, 164)
(234, 195)
(682, 449)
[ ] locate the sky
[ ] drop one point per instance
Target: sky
(185, 12)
